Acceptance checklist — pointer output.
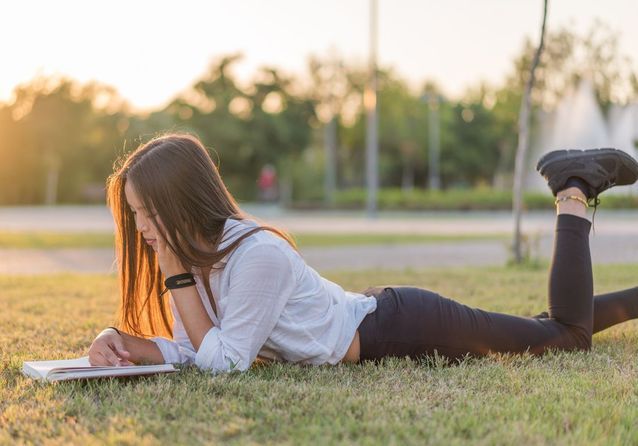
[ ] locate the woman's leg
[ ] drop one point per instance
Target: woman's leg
(571, 285)
(414, 322)
(611, 308)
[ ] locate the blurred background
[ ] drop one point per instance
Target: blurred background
(320, 115)
(275, 89)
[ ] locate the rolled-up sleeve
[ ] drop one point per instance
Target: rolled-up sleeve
(261, 282)
(172, 352)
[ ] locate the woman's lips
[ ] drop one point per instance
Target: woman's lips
(150, 241)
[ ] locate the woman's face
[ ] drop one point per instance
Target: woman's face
(143, 220)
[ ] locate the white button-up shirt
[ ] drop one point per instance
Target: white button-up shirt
(269, 303)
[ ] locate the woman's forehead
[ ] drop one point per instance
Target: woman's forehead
(133, 199)
(131, 195)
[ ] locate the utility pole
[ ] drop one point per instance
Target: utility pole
(434, 149)
(370, 104)
(433, 100)
(330, 179)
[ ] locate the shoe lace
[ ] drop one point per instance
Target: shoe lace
(595, 201)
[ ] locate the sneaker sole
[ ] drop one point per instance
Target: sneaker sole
(547, 159)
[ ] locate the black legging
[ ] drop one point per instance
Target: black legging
(415, 322)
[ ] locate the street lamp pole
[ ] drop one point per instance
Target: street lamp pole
(434, 126)
(370, 104)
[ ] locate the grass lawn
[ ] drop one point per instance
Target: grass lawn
(55, 240)
(564, 398)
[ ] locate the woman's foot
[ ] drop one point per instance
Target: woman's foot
(598, 169)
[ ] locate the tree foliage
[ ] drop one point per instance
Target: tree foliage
(59, 132)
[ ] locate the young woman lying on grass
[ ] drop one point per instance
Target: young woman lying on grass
(238, 290)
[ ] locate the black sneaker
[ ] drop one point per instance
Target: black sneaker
(599, 168)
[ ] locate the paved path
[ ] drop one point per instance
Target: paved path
(34, 261)
(616, 238)
(98, 219)
(605, 250)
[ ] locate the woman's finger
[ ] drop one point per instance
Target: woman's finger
(96, 359)
(122, 353)
(123, 357)
(110, 357)
(118, 346)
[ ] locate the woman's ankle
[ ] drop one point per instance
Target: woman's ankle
(571, 191)
(580, 184)
(571, 201)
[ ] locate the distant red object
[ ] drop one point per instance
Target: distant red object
(267, 183)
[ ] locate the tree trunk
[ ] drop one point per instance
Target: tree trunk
(372, 119)
(286, 167)
(523, 144)
(407, 179)
(52, 163)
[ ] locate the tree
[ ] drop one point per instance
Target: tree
(567, 57)
(248, 127)
(523, 143)
(60, 139)
(332, 94)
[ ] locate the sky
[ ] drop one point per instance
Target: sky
(152, 50)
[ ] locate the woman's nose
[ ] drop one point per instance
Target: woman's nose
(141, 223)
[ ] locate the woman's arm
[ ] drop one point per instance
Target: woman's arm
(121, 349)
(193, 314)
(257, 294)
(142, 351)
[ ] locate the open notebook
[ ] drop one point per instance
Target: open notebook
(80, 368)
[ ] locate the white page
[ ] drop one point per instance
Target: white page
(98, 372)
(42, 369)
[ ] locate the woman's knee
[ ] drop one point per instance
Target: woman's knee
(581, 338)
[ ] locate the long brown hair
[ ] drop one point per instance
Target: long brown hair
(176, 178)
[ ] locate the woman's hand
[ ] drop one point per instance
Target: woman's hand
(108, 350)
(374, 290)
(169, 263)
